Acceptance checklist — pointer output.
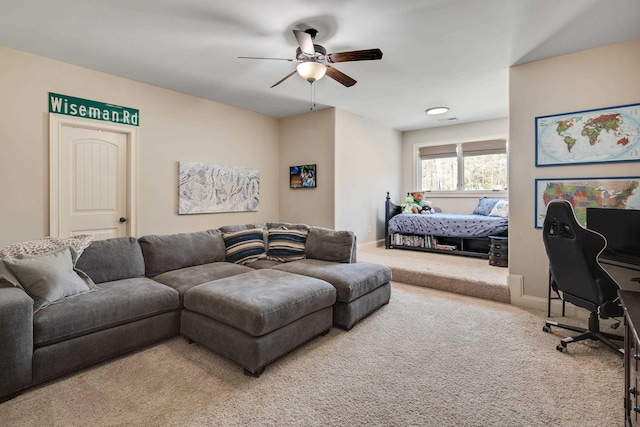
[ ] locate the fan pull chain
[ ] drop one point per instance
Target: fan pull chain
(313, 96)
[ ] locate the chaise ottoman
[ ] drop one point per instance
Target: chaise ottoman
(362, 287)
(256, 317)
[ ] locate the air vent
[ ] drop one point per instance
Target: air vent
(450, 119)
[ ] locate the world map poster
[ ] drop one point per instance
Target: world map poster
(593, 136)
(583, 193)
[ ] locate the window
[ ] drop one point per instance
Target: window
(469, 166)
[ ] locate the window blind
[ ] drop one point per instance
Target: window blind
(438, 151)
(481, 148)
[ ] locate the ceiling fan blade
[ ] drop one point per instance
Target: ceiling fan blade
(258, 57)
(340, 77)
(285, 78)
(355, 55)
(305, 41)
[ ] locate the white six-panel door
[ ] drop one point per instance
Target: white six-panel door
(92, 181)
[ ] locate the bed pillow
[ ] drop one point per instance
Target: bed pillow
(286, 245)
(244, 246)
(49, 277)
(485, 205)
(501, 209)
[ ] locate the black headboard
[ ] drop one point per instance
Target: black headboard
(390, 210)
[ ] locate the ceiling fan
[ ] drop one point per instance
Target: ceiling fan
(313, 59)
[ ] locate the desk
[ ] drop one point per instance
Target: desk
(631, 303)
(625, 273)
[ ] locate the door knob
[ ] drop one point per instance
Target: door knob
(123, 219)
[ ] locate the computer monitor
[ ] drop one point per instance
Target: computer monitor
(621, 228)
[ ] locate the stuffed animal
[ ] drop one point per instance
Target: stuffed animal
(426, 208)
(420, 205)
(407, 206)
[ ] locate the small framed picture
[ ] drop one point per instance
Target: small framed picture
(303, 176)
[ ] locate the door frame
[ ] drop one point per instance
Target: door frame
(56, 123)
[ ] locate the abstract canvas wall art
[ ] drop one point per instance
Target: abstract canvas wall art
(207, 188)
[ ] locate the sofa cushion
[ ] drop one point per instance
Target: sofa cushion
(239, 227)
(49, 277)
(260, 301)
(115, 303)
(186, 278)
(112, 259)
(174, 251)
(288, 226)
(350, 280)
(286, 244)
(244, 246)
(263, 263)
(331, 245)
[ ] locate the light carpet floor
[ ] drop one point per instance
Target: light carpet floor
(428, 358)
(452, 273)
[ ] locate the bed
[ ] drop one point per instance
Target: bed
(459, 234)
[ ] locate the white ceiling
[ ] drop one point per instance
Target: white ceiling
(454, 53)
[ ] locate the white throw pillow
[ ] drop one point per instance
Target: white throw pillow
(501, 209)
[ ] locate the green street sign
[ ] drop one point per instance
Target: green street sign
(85, 108)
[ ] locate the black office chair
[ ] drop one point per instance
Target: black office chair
(576, 275)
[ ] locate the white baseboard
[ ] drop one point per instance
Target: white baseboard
(373, 243)
(516, 291)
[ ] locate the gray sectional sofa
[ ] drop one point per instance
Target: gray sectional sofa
(251, 305)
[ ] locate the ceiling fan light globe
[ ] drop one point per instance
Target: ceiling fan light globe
(311, 71)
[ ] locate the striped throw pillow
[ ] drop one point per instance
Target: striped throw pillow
(286, 245)
(244, 246)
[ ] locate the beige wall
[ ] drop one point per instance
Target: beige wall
(594, 78)
(307, 139)
(451, 134)
(367, 163)
(173, 127)
(357, 163)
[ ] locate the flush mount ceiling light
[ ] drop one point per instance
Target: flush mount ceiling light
(437, 110)
(311, 71)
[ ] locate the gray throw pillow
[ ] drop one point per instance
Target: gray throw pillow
(7, 276)
(49, 277)
(38, 247)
